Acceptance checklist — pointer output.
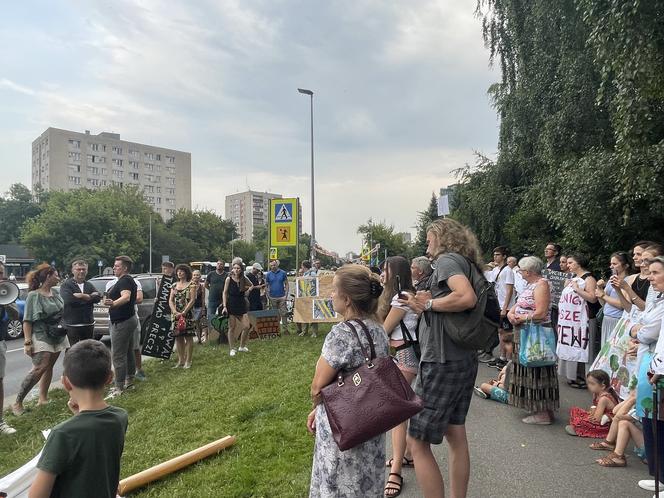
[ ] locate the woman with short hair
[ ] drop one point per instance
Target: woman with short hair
(358, 471)
(182, 300)
(535, 389)
(43, 336)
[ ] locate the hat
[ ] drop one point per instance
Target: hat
(257, 266)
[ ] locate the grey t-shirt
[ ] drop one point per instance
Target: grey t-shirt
(436, 346)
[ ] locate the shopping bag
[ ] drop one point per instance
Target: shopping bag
(537, 346)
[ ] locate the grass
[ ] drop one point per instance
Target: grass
(261, 397)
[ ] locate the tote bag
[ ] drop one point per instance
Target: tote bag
(537, 346)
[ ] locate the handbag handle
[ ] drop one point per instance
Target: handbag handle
(368, 356)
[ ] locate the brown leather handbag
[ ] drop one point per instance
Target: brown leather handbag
(369, 400)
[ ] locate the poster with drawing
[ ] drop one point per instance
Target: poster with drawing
(315, 305)
(306, 287)
(322, 309)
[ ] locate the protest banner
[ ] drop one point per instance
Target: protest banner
(557, 283)
(572, 326)
(313, 301)
(159, 338)
(615, 360)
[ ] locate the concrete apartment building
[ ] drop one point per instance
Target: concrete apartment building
(65, 160)
(248, 210)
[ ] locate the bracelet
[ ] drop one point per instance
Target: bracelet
(27, 343)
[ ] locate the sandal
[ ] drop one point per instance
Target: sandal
(603, 445)
(577, 384)
(406, 462)
(393, 488)
(613, 460)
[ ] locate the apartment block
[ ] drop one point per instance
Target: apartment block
(66, 160)
(248, 210)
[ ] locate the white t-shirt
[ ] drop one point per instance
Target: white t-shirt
(503, 279)
(409, 320)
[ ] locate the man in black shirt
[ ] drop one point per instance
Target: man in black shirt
(79, 297)
(121, 300)
(214, 283)
(552, 255)
(257, 284)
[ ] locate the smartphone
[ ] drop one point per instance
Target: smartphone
(399, 293)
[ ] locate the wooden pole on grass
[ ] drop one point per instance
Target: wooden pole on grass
(147, 476)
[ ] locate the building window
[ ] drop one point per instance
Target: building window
(170, 159)
(150, 199)
(158, 200)
(157, 178)
(133, 164)
(102, 183)
(134, 153)
(170, 191)
(133, 176)
(148, 188)
(157, 157)
(104, 171)
(93, 182)
(149, 167)
(170, 202)
(170, 169)
(158, 189)
(117, 150)
(74, 156)
(117, 162)
(170, 181)
(74, 144)
(93, 170)
(149, 155)
(76, 180)
(118, 173)
(148, 178)
(170, 211)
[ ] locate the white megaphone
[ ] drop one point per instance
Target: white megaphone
(8, 292)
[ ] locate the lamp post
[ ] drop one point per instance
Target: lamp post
(313, 203)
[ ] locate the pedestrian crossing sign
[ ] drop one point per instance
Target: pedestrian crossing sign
(284, 222)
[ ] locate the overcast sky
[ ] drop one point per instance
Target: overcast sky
(400, 95)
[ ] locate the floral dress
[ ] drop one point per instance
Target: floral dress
(182, 297)
(359, 471)
(579, 419)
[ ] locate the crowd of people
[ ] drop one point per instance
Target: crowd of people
(617, 352)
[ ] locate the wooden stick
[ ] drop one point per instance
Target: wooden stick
(147, 476)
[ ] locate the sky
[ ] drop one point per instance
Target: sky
(400, 96)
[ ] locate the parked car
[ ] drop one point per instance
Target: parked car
(15, 327)
(149, 284)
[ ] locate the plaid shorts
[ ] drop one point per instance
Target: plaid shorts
(446, 390)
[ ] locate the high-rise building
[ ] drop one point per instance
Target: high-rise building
(66, 160)
(248, 210)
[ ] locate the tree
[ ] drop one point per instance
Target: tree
(211, 233)
(91, 225)
(16, 207)
(424, 218)
(383, 234)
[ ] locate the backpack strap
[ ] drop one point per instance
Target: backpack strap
(406, 333)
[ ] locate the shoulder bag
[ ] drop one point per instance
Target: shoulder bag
(370, 400)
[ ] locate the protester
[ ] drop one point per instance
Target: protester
(648, 333)
(235, 306)
(563, 263)
(82, 455)
(121, 301)
(582, 284)
(594, 422)
(307, 272)
(503, 278)
(636, 288)
(552, 253)
(79, 297)
(181, 302)
(214, 283)
(608, 296)
(44, 338)
(397, 320)
(421, 270)
(356, 472)
(446, 375)
(534, 389)
(5, 313)
(277, 291)
(255, 276)
(198, 312)
(496, 389)
(512, 262)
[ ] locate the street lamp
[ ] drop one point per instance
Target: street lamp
(313, 204)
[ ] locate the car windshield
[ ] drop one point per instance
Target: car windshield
(99, 284)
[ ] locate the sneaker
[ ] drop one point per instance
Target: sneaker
(243, 349)
(480, 393)
(187, 365)
(140, 375)
(233, 352)
(129, 386)
(485, 358)
(113, 393)
(301, 334)
(314, 335)
(497, 364)
(177, 365)
(649, 485)
(7, 429)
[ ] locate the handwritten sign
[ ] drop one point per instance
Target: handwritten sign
(557, 281)
(159, 338)
(572, 327)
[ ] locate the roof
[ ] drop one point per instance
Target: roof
(15, 251)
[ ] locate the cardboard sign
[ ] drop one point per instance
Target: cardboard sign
(159, 338)
(573, 331)
(615, 361)
(313, 303)
(557, 280)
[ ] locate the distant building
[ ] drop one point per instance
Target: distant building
(17, 260)
(248, 210)
(66, 160)
(406, 237)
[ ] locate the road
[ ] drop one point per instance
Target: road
(515, 460)
(18, 365)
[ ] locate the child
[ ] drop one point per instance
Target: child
(594, 422)
(496, 389)
(624, 427)
(82, 455)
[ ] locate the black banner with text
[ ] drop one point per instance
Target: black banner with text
(159, 338)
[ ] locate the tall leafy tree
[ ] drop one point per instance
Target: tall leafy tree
(424, 218)
(16, 206)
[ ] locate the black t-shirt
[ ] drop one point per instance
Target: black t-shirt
(125, 311)
(216, 285)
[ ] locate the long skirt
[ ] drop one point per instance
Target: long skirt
(535, 389)
(573, 369)
(608, 324)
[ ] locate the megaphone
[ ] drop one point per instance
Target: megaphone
(8, 292)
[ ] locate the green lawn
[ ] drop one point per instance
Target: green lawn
(261, 397)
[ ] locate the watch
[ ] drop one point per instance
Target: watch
(428, 305)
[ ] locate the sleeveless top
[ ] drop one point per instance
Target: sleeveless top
(236, 303)
(525, 303)
(640, 287)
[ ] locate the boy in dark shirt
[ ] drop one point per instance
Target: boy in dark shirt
(82, 455)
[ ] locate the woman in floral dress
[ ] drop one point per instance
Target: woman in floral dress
(183, 297)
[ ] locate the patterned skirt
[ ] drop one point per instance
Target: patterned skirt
(535, 389)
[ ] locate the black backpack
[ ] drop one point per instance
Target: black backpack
(475, 328)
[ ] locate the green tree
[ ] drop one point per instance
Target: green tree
(16, 206)
(209, 231)
(424, 218)
(383, 234)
